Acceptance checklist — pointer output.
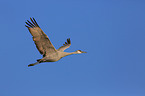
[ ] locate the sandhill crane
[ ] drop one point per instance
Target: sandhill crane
(45, 47)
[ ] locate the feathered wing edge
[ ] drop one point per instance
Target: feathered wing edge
(29, 24)
(65, 45)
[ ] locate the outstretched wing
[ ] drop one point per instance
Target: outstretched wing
(41, 40)
(65, 46)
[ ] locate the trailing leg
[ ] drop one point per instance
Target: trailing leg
(33, 64)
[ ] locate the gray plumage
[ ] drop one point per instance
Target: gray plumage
(45, 47)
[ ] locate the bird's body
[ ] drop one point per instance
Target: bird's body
(45, 47)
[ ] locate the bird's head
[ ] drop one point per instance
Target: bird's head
(79, 51)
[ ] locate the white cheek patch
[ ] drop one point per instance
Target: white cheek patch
(79, 52)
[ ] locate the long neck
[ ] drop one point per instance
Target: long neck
(66, 53)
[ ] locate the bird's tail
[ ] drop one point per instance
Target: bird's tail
(33, 64)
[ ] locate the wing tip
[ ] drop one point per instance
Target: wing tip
(33, 20)
(33, 23)
(26, 26)
(68, 41)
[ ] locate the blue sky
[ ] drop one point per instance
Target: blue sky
(111, 31)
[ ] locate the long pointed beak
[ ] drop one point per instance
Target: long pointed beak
(84, 52)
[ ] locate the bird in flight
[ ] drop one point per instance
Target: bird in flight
(45, 47)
